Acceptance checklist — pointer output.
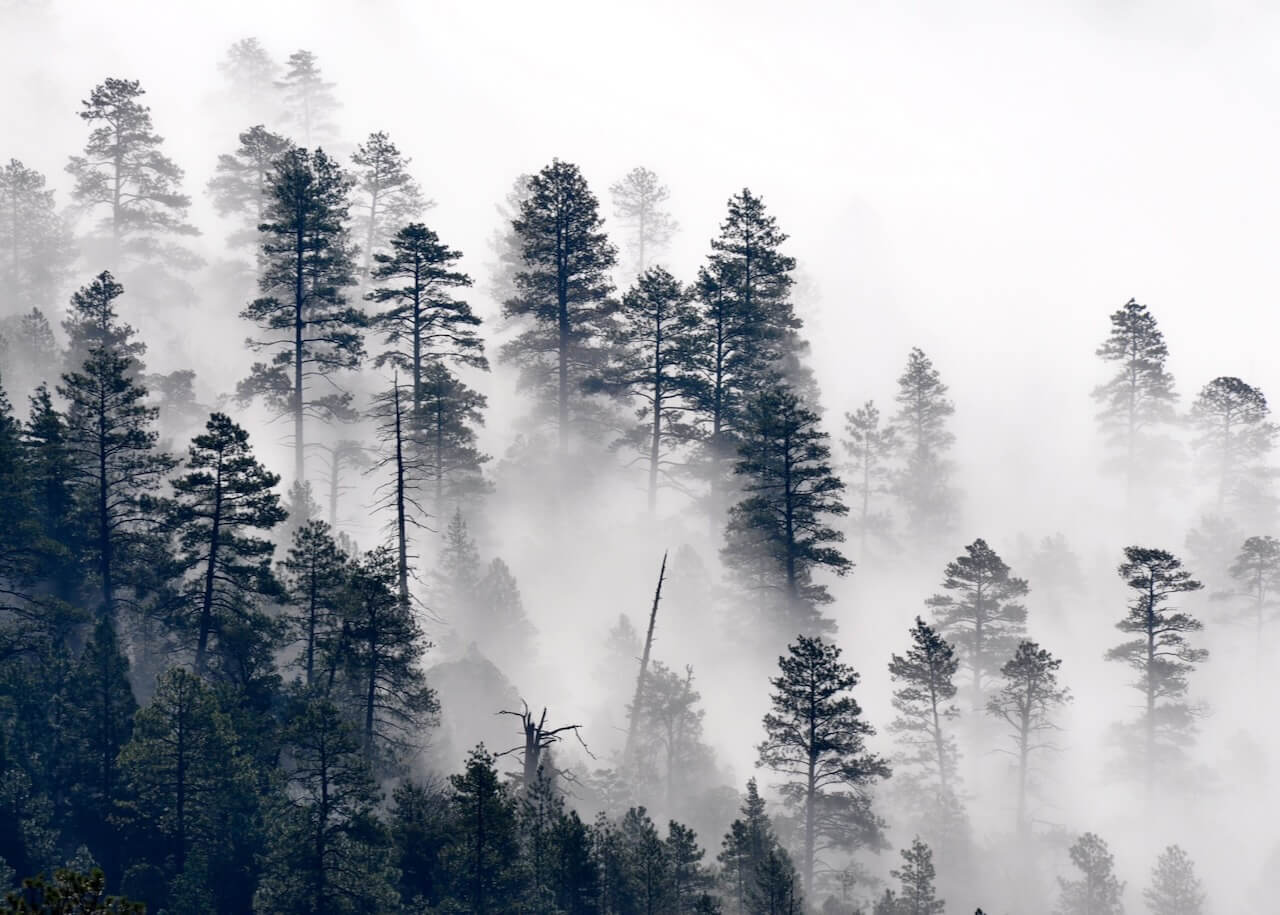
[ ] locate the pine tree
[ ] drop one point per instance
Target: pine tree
(50, 472)
(92, 322)
(69, 893)
(241, 184)
(419, 822)
(339, 457)
(1160, 655)
(916, 875)
(576, 871)
(33, 352)
(138, 188)
(922, 701)
(309, 102)
(1097, 892)
(744, 850)
(483, 858)
(499, 623)
(445, 438)
(670, 731)
(871, 447)
(652, 340)
(314, 575)
(816, 739)
(775, 891)
(777, 536)
(562, 293)
(984, 615)
(307, 264)
(35, 243)
(638, 199)
(1027, 702)
(1256, 571)
(1138, 403)
(250, 73)
(1235, 438)
(685, 874)
(387, 197)
(222, 505)
(20, 535)
(401, 494)
(924, 483)
(1174, 889)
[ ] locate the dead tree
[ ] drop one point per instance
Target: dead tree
(537, 738)
(644, 665)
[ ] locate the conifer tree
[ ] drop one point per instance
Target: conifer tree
(250, 73)
(1174, 889)
(915, 876)
(92, 322)
(50, 471)
(685, 876)
(386, 195)
(1097, 892)
(1256, 572)
(137, 188)
(482, 860)
(1160, 655)
(241, 183)
(922, 701)
(33, 352)
(445, 438)
(638, 199)
(670, 731)
(776, 890)
(983, 615)
(815, 737)
(399, 495)
(306, 266)
(20, 533)
(314, 575)
(222, 505)
(35, 243)
(652, 340)
(499, 620)
(744, 850)
(1027, 702)
(309, 102)
(562, 295)
(924, 483)
(778, 535)
(419, 822)
(1235, 439)
(1137, 403)
(344, 455)
(871, 446)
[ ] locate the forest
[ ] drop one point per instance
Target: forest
(347, 570)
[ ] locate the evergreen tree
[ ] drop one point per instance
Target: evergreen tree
(1027, 702)
(744, 850)
(34, 240)
(684, 868)
(309, 102)
(241, 183)
(1138, 402)
(1174, 889)
(50, 472)
(69, 893)
(922, 701)
(924, 482)
(1097, 892)
(220, 503)
(1256, 571)
(329, 853)
(562, 293)
(92, 322)
(777, 536)
(652, 340)
(386, 194)
(32, 354)
(1235, 438)
(341, 456)
(314, 575)
(871, 446)
(306, 266)
(1160, 656)
(670, 732)
(20, 532)
(445, 438)
(576, 873)
(499, 623)
(983, 614)
(916, 879)
(815, 737)
(138, 188)
(776, 890)
(420, 824)
(399, 495)
(250, 73)
(483, 857)
(638, 199)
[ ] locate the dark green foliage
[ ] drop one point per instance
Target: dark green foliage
(1234, 440)
(92, 322)
(871, 446)
(983, 614)
(562, 298)
(309, 102)
(1174, 889)
(241, 182)
(314, 574)
(34, 239)
(922, 700)
(779, 534)
(752, 874)
(1161, 657)
(387, 197)
(815, 738)
(1097, 892)
(924, 483)
(483, 854)
(420, 824)
(444, 438)
(69, 893)
(915, 876)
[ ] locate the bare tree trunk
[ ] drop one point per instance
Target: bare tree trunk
(644, 665)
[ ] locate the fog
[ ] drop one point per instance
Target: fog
(988, 182)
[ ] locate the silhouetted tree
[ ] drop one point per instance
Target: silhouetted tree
(1235, 438)
(92, 322)
(445, 438)
(915, 876)
(924, 483)
(815, 737)
(386, 196)
(241, 184)
(871, 446)
(419, 821)
(1097, 892)
(35, 243)
(314, 575)
(745, 851)
(309, 102)
(1174, 889)
(398, 495)
(922, 700)
(1256, 572)
(483, 857)
(638, 199)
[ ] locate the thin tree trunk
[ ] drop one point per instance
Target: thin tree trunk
(206, 602)
(644, 664)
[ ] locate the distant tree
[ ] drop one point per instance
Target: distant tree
(983, 615)
(1174, 889)
(1160, 655)
(138, 188)
(344, 455)
(638, 199)
(49, 473)
(670, 730)
(174, 395)
(563, 292)
(886, 904)
(35, 241)
(314, 574)
(505, 244)
(815, 737)
(222, 505)
(1138, 402)
(309, 102)
(778, 535)
(1235, 438)
(499, 621)
(871, 447)
(33, 352)
(329, 853)
(386, 195)
(924, 690)
(307, 262)
(1027, 702)
(651, 344)
(1212, 545)
(924, 483)
(916, 875)
(250, 73)
(482, 861)
(1256, 572)
(241, 184)
(685, 874)
(1055, 568)
(1097, 892)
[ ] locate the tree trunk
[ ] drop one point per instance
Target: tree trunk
(299, 322)
(206, 602)
(644, 665)
(401, 531)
